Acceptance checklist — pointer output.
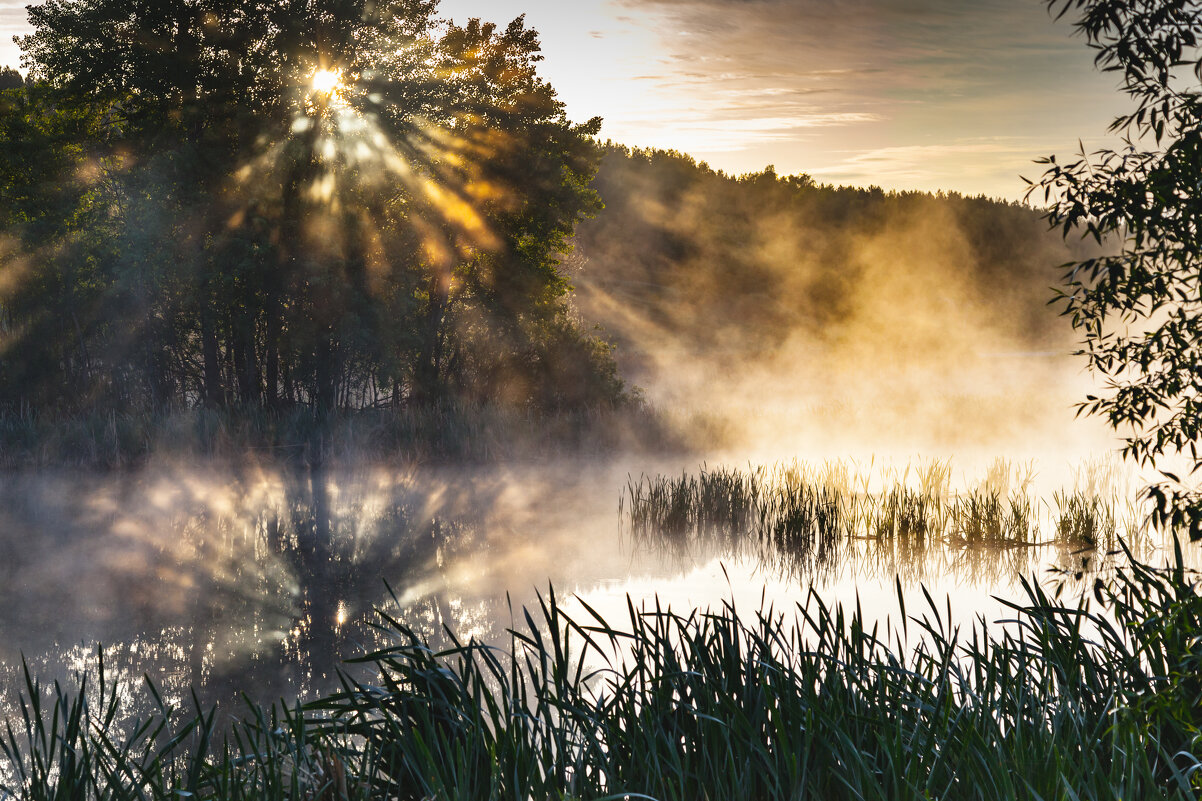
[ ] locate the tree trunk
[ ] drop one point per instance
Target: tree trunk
(213, 393)
(427, 372)
(326, 377)
(245, 364)
(272, 346)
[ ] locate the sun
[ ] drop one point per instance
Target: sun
(326, 81)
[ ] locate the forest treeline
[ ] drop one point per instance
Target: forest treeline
(733, 270)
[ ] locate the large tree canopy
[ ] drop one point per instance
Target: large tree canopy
(336, 203)
(1140, 306)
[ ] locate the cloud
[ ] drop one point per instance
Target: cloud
(865, 56)
(727, 112)
(956, 164)
(13, 19)
(893, 43)
(902, 87)
(917, 162)
(729, 131)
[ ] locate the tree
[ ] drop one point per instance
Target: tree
(1139, 306)
(335, 203)
(10, 79)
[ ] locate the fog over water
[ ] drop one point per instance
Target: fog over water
(883, 350)
(213, 576)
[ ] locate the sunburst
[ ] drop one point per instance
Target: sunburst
(326, 82)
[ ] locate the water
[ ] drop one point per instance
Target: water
(257, 579)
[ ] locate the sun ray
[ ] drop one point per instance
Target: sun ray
(326, 82)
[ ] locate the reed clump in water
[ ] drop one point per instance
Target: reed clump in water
(782, 510)
(1085, 522)
(1087, 699)
(806, 515)
(985, 518)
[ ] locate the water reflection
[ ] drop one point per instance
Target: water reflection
(256, 579)
(242, 580)
(823, 522)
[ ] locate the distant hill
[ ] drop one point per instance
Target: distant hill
(689, 263)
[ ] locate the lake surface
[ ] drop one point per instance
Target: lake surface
(258, 579)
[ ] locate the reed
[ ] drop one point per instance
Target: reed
(1085, 522)
(1093, 698)
(985, 518)
(804, 515)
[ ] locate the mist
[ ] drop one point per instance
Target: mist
(761, 319)
(217, 522)
(794, 319)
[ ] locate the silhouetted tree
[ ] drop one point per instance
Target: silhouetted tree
(1139, 307)
(330, 203)
(10, 79)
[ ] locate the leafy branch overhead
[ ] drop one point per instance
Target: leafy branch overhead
(1139, 305)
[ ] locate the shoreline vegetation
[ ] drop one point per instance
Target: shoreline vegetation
(806, 514)
(1095, 698)
(469, 433)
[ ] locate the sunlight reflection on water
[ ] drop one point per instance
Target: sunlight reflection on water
(227, 578)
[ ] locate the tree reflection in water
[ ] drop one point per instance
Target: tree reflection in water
(246, 579)
(257, 579)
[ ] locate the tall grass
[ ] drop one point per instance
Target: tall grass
(1096, 698)
(805, 515)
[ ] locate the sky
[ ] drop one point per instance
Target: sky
(958, 95)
